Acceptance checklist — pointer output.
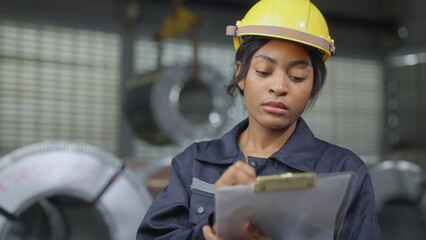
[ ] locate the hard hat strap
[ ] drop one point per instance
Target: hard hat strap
(281, 32)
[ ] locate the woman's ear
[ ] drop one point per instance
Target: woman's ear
(241, 85)
(237, 71)
(237, 68)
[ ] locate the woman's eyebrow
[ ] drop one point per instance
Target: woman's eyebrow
(267, 58)
(298, 62)
(291, 64)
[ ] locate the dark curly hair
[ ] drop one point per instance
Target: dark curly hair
(249, 47)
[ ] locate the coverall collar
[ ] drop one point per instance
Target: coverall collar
(298, 152)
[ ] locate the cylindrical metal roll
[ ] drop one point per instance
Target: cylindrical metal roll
(68, 190)
(169, 105)
(396, 180)
(399, 188)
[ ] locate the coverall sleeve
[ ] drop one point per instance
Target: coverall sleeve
(361, 219)
(169, 215)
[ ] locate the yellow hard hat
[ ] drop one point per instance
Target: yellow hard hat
(294, 20)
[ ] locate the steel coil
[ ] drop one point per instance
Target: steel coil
(169, 105)
(399, 188)
(68, 190)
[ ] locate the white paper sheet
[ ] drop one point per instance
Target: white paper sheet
(310, 213)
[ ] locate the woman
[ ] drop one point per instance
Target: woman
(279, 71)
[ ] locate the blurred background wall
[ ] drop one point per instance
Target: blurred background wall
(64, 67)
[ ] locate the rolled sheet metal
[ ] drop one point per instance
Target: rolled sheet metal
(169, 105)
(68, 190)
(397, 180)
(399, 188)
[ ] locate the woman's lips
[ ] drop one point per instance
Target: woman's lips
(275, 107)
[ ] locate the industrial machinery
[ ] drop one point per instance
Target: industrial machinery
(400, 188)
(169, 106)
(67, 191)
(181, 103)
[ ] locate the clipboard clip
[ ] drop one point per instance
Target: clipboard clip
(287, 181)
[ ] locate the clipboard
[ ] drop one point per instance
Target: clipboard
(286, 181)
(286, 206)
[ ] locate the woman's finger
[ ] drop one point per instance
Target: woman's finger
(209, 234)
(239, 172)
(255, 232)
(247, 169)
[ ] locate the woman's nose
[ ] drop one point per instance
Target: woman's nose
(278, 85)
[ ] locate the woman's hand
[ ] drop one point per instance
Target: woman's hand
(238, 173)
(250, 229)
(254, 232)
(209, 233)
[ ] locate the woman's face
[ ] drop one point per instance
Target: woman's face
(278, 84)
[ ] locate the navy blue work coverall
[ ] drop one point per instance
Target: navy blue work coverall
(185, 205)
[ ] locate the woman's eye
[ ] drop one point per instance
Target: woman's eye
(262, 73)
(298, 74)
(296, 79)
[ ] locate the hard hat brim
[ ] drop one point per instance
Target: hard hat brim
(324, 45)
